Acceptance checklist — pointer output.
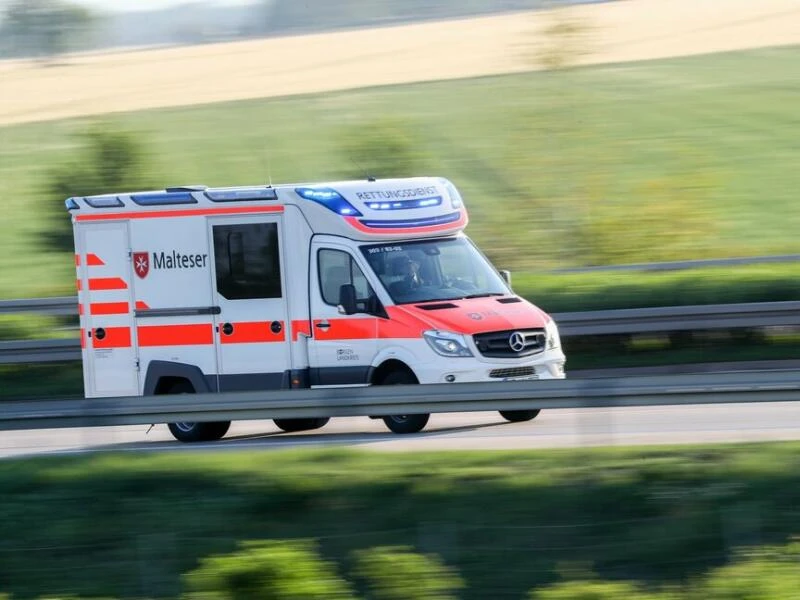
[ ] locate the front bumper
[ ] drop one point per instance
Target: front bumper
(548, 365)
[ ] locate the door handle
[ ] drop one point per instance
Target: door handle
(323, 325)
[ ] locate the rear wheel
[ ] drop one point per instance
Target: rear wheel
(518, 416)
(195, 432)
(404, 423)
(292, 425)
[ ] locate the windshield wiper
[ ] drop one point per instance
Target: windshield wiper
(483, 295)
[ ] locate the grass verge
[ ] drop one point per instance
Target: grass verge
(127, 525)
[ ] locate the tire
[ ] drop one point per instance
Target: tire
(195, 432)
(518, 416)
(404, 423)
(292, 425)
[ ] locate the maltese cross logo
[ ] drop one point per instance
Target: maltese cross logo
(141, 264)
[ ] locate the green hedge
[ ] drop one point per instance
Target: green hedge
(128, 525)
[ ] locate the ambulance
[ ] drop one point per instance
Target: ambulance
(350, 283)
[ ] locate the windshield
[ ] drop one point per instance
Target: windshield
(448, 269)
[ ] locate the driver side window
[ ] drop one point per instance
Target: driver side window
(337, 268)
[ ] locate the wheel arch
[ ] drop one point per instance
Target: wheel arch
(162, 375)
(389, 366)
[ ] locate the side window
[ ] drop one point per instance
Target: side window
(247, 261)
(337, 268)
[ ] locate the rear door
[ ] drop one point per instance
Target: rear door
(109, 338)
(342, 347)
(250, 290)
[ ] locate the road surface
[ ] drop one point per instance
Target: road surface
(462, 431)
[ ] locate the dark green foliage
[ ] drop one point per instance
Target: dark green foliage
(400, 573)
(383, 148)
(129, 525)
(268, 570)
(44, 27)
(110, 160)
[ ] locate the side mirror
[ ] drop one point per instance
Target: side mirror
(347, 299)
(506, 275)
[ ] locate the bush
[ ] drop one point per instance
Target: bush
(399, 573)
(765, 574)
(267, 570)
(593, 590)
(383, 148)
(110, 160)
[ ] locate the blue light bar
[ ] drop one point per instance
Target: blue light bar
(406, 204)
(242, 195)
(104, 201)
(455, 197)
(409, 223)
(71, 204)
(330, 199)
(162, 198)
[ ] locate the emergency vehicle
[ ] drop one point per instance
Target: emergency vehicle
(200, 290)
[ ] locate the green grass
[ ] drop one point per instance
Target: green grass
(513, 144)
(126, 525)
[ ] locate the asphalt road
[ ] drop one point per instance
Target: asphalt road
(462, 431)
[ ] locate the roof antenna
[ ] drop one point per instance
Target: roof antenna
(267, 165)
(366, 174)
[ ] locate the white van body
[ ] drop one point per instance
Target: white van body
(346, 283)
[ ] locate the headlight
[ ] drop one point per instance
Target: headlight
(553, 339)
(446, 343)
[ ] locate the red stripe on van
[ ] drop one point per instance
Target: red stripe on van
(141, 305)
(92, 260)
(78, 284)
(462, 222)
(107, 283)
(175, 335)
(115, 337)
(109, 308)
(300, 327)
(197, 212)
(253, 333)
(346, 329)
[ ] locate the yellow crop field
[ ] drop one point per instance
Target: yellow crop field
(627, 30)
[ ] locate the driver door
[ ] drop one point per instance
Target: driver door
(342, 346)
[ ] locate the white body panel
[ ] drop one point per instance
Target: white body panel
(106, 298)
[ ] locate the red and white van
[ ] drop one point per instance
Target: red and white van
(348, 283)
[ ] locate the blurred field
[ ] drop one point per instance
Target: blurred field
(720, 129)
(127, 525)
(621, 31)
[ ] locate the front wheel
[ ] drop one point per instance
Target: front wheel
(195, 432)
(292, 425)
(518, 416)
(404, 423)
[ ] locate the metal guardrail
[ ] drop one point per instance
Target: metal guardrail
(39, 351)
(679, 318)
(686, 264)
(62, 305)
(706, 388)
(602, 322)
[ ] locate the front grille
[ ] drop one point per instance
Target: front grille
(497, 344)
(515, 372)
